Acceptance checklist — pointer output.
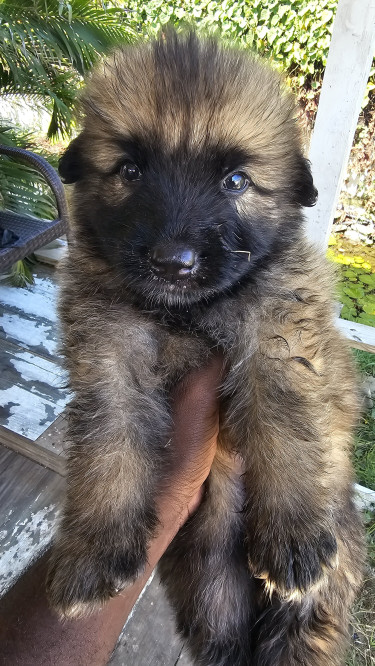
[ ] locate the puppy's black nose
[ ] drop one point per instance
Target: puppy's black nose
(173, 260)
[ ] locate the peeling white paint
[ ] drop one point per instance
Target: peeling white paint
(17, 394)
(30, 332)
(32, 388)
(29, 414)
(42, 303)
(23, 543)
(37, 368)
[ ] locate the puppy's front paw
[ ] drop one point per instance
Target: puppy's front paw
(80, 580)
(291, 565)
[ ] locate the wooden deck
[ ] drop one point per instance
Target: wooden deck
(149, 636)
(30, 496)
(32, 393)
(32, 465)
(32, 400)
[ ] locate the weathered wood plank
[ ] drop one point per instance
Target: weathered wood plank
(47, 450)
(149, 636)
(31, 393)
(29, 332)
(347, 71)
(29, 500)
(53, 439)
(28, 315)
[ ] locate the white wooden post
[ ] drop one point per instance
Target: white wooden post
(347, 71)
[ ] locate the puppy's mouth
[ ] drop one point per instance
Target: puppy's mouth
(173, 283)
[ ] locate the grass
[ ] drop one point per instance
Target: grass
(362, 648)
(355, 266)
(364, 448)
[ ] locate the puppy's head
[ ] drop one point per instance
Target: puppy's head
(189, 172)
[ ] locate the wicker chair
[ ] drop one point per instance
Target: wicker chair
(32, 232)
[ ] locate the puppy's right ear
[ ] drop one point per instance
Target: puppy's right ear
(70, 164)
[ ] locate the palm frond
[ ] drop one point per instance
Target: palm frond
(22, 188)
(47, 46)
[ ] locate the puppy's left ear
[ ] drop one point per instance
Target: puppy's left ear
(71, 162)
(305, 193)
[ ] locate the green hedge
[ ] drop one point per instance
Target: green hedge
(296, 33)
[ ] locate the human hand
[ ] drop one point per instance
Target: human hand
(195, 411)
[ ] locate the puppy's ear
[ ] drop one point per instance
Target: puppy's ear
(71, 163)
(305, 193)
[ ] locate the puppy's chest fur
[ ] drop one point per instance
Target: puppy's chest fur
(278, 316)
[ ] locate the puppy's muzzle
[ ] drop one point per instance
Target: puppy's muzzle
(173, 261)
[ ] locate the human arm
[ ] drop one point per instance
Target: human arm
(31, 634)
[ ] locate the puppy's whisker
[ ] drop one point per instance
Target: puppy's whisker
(241, 252)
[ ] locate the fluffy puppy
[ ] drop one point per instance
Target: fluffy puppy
(189, 187)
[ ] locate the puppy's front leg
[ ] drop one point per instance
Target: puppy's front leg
(294, 438)
(118, 427)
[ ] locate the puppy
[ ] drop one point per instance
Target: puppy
(189, 187)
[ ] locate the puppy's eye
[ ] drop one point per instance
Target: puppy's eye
(236, 182)
(130, 171)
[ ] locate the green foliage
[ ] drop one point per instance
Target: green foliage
(357, 293)
(21, 273)
(46, 46)
(356, 288)
(295, 33)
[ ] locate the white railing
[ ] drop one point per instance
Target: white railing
(347, 71)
